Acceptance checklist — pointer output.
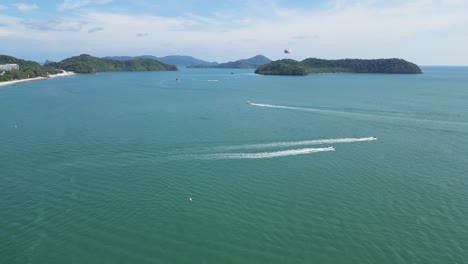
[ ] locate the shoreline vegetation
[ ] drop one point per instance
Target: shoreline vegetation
(61, 74)
(17, 69)
(314, 65)
(24, 70)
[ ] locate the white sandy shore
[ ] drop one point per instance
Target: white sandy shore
(62, 74)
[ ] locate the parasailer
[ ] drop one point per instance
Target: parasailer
(287, 51)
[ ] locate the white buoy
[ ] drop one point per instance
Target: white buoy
(190, 198)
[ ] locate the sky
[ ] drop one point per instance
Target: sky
(426, 32)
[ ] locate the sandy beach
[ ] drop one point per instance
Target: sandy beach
(62, 74)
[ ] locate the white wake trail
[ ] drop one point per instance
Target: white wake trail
(297, 143)
(263, 155)
(455, 125)
(302, 109)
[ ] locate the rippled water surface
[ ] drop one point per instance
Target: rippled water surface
(235, 168)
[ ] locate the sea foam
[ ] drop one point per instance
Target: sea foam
(296, 143)
(263, 155)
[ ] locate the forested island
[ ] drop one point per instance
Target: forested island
(26, 69)
(313, 65)
(89, 64)
(250, 63)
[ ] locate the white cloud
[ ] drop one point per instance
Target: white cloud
(74, 4)
(8, 29)
(197, 19)
(25, 7)
(54, 25)
(5, 32)
(95, 29)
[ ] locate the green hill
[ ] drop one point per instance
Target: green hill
(27, 69)
(253, 62)
(283, 67)
(88, 64)
(313, 65)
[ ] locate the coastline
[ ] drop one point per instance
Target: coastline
(62, 74)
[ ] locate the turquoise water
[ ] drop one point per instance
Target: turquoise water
(101, 168)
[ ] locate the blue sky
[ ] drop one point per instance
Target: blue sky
(427, 32)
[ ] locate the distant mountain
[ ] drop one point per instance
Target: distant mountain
(172, 59)
(89, 64)
(184, 60)
(314, 65)
(253, 62)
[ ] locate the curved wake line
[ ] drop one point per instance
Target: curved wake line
(297, 143)
(362, 115)
(263, 155)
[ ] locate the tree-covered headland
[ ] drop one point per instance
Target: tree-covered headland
(27, 69)
(313, 65)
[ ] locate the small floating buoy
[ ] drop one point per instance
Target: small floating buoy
(190, 198)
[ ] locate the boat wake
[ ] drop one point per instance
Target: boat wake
(296, 143)
(223, 151)
(454, 125)
(262, 155)
(322, 111)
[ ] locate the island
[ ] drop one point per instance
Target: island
(85, 63)
(12, 69)
(314, 65)
(250, 63)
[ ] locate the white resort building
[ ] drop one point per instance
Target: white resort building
(9, 67)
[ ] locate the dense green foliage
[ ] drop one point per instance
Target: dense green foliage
(27, 69)
(89, 64)
(313, 65)
(366, 66)
(253, 62)
(283, 67)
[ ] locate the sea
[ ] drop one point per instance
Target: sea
(226, 166)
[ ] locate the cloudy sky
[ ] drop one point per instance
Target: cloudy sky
(427, 32)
